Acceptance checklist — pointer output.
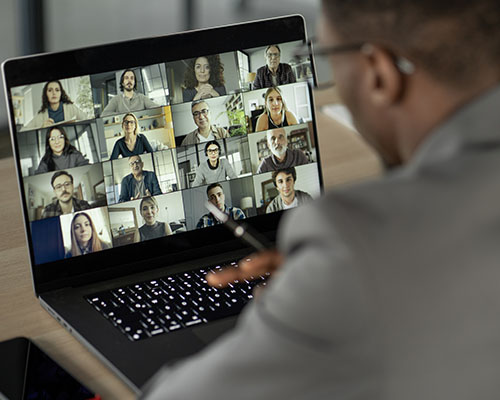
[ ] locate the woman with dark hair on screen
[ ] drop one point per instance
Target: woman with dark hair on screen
(203, 78)
(152, 228)
(133, 143)
(276, 114)
(84, 236)
(56, 107)
(59, 152)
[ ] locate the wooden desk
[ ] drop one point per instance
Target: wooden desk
(345, 158)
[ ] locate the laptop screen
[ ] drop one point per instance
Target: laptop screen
(118, 147)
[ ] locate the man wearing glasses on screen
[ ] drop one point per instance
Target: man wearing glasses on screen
(205, 131)
(138, 183)
(65, 202)
(274, 73)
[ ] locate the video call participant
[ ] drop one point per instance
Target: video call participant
(214, 169)
(129, 100)
(276, 114)
(284, 180)
(203, 79)
(84, 236)
(273, 73)
(281, 156)
(59, 152)
(138, 183)
(133, 142)
(152, 228)
(205, 131)
(56, 107)
(65, 202)
(215, 195)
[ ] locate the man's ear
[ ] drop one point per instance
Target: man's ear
(385, 80)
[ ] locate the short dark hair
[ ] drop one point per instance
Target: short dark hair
(288, 171)
(211, 142)
(214, 185)
(272, 45)
(123, 76)
(58, 174)
(196, 102)
(449, 39)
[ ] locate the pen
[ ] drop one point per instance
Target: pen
(241, 231)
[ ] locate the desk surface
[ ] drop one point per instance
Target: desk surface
(345, 158)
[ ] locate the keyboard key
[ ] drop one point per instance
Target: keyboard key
(170, 303)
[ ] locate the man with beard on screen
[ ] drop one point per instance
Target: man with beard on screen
(281, 156)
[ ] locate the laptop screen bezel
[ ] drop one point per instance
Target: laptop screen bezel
(91, 60)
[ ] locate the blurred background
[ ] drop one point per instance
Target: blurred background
(36, 26)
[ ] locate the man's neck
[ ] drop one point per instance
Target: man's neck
(138, 177)
(289, 199)
(273, 70)
(205, 132)
(128, 93)
(422, 117)
(280, 159)
(213, 163)
(66, 207)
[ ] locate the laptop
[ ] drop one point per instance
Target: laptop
(119, 146)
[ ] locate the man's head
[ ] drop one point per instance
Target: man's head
(277, 142)
(128, 81)
(284, 180)
(215, 195)
(212, 150)
(454, 47)
(201, 114)
(136, 165)
(62, 183)
(273, 55)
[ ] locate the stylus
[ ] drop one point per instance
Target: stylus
(241, 231)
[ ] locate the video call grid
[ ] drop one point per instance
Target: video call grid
(243, 102)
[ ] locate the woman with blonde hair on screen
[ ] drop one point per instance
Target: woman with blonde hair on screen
(133, 143)
(152, 228)
(276, 114)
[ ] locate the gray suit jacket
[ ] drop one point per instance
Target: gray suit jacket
(389, 289)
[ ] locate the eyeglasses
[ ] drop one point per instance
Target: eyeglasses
(128, 122)
(203, 112)
(271, 55)
(212, 151)
(133, 163)
(54, 138)
(66, 185)
(312, 47)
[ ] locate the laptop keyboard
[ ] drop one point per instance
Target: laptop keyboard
(168, 304)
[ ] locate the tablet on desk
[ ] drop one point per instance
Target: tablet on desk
(26, 372)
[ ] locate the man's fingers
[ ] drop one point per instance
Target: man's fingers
(249, 268)
(223, 277)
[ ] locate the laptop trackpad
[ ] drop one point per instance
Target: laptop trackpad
(209, 332)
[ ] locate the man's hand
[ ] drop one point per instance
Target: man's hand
(48, 122)
(249, 268)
